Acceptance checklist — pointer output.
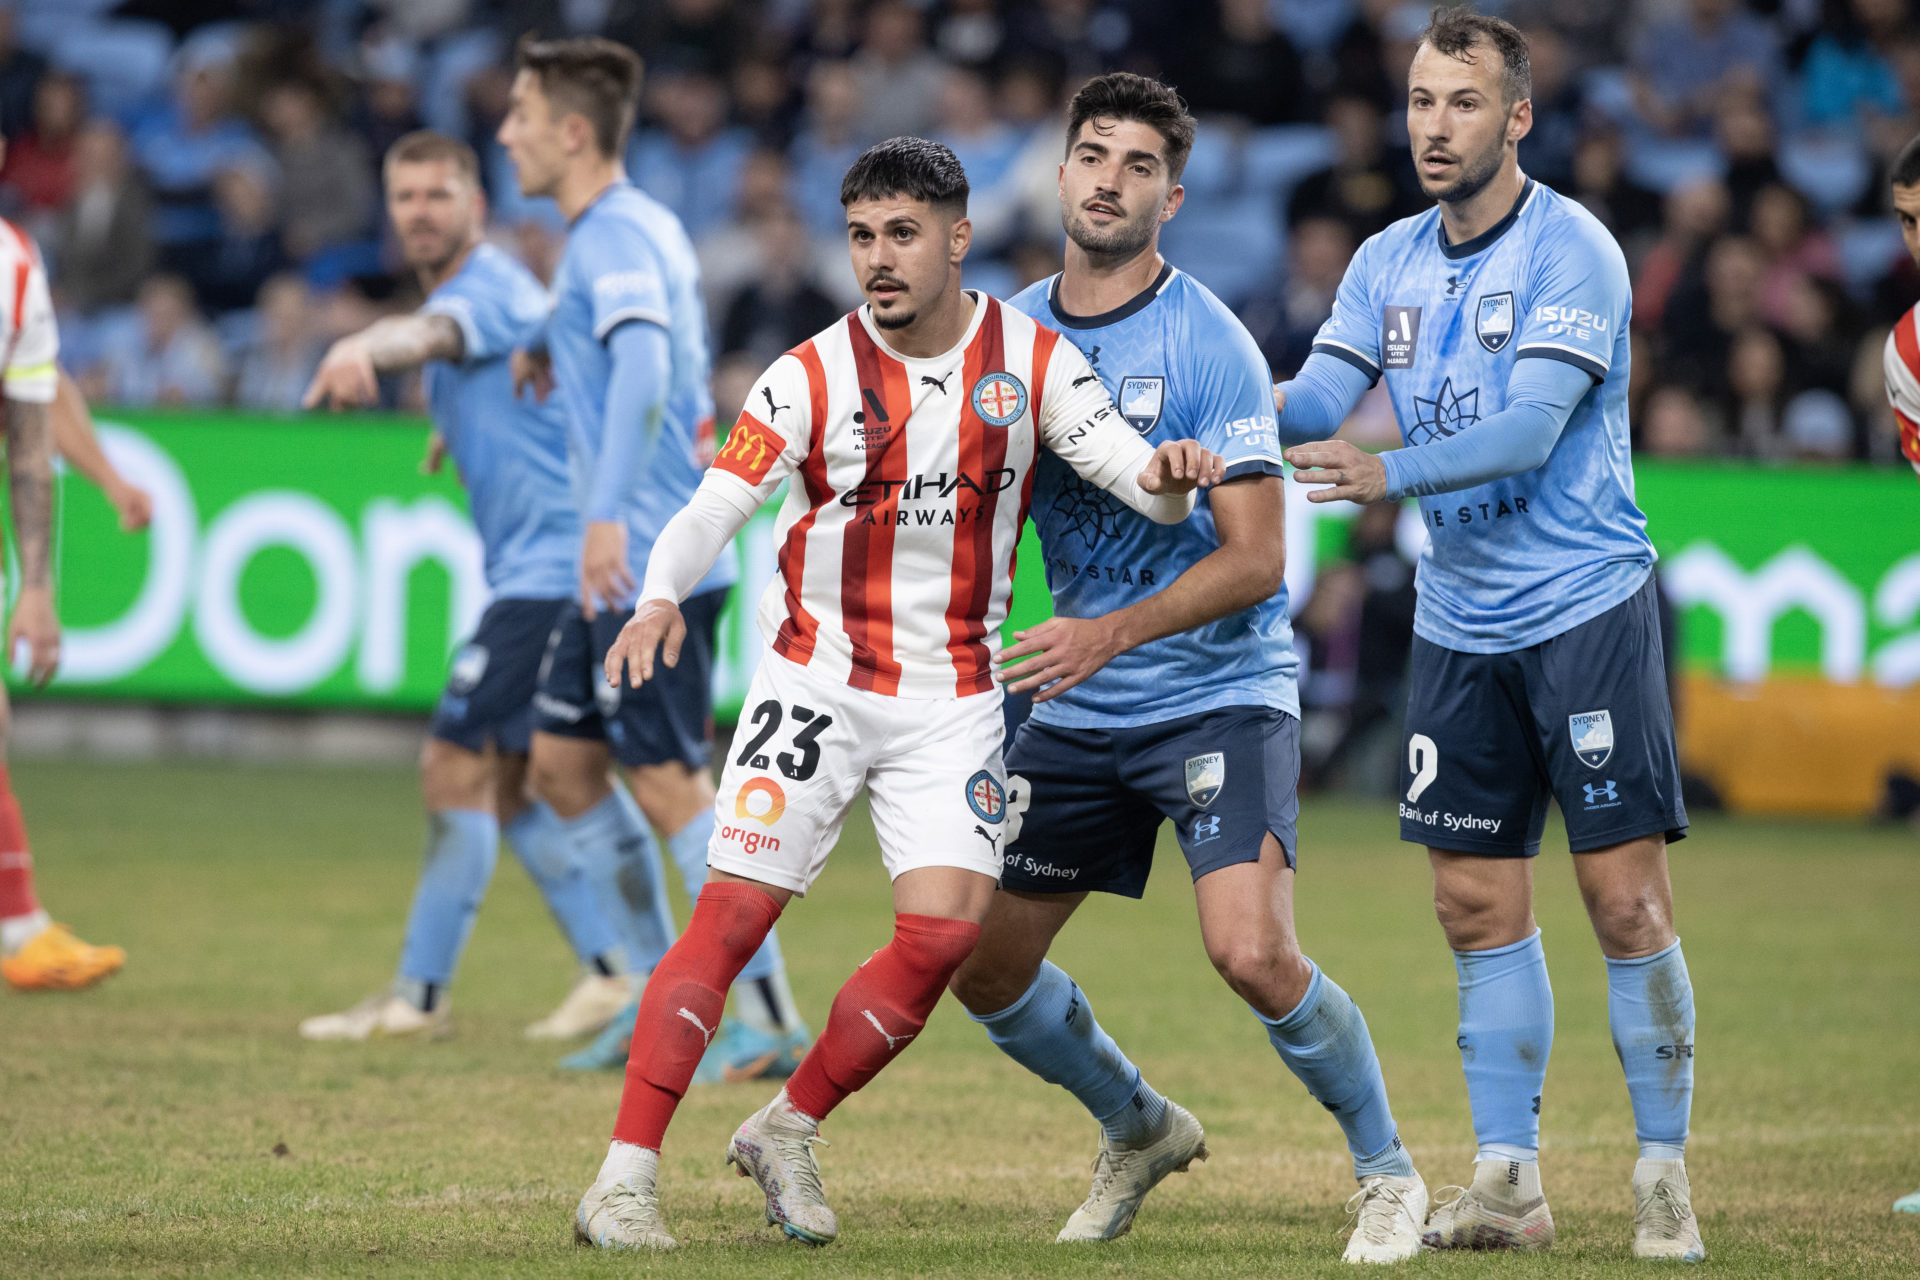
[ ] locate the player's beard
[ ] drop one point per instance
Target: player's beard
(1122, 240)
(1475, 173)
(895, 319)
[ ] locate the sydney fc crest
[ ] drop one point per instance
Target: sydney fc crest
(999, 399)
(1140, 401)
(1592, 734)
(1205, 776)
(468, 669)
(1493, 324)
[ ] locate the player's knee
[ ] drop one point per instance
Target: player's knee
(1268, 973)
(1478, 921)
(985, 984)
(564, 789)
(453, 778)
(1630, 920)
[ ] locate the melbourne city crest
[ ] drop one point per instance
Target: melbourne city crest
(1140, 401)
(999, 399)
(1494, 322)
(1592, 734)
(1205, 776)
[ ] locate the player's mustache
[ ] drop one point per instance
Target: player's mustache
(877, 281)
(1106, 205)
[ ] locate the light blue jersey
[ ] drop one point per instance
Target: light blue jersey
(1179, 366)
(1520, 560)
(511, 452)
(628, 259)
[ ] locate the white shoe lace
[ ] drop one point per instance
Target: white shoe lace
(803, 1166)
(1374, 1207)
(1668, 1225)
(1451, 1202)
(628, 1206)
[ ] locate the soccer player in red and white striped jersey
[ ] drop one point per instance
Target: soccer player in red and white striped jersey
(906, 434)
(1903, 344)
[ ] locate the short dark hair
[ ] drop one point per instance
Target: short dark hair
(1457, 31)
(1122, 95)
(423, 146)
(1905, 171)
(591, 75)
(912, 167)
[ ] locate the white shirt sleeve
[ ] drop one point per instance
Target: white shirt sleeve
(685, 550)
(1903, 391)
(31, 373)
(1079, 423)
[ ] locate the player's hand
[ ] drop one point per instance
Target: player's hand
(604, 576)
(346, 378)
(532, 370)
(1350, 473)
(1279, 400)
(656, 624)
(133, 504)
(1058, 653)
(35, 624)
(436, 454)
(1180, 466)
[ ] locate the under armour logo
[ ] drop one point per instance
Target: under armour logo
(928, 380)
(892, 1041)
(1453, 285)
(1208, 828)
(706, 1032)
(1607, 791)
(772, 408)
(1093, 357)
(993, 842)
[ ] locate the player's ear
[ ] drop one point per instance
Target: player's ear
(1520, 122)
(960, 241)
(1175, 198)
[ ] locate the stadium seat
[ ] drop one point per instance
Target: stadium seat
(1661, 164)
(1275, 159)
(1230, 244)
(44, 23)
(1213, 167)
(123, 63)
(1869, 248)
(1830, 169)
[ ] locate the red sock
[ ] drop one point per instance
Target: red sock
(16, 864)
(680, 1009)
(881, 1007)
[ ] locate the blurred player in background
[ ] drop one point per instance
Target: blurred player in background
(1500, 323)
(1903, 365)
(35, 953)
(1165, 689)
(511, 453)
(626, 351)
(74, 439)
(909, 432)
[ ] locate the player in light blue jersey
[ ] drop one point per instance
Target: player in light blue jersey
(1166, 690)
(625, 348)
(1499, 321)
(511, 455)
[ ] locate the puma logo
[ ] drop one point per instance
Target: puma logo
(772, 408)
(892, 1041)
(928, 380)
(1085, 378)
(706, 1032)
(993, 842)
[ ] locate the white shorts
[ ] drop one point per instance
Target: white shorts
(806, 747)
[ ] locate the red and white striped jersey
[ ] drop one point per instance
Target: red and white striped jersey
(1903, 382)
(31, 337)
(911, 483)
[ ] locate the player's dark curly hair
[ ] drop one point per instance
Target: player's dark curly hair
(1905, 171)
(1456, 31)
(1122, 95)
(912, 167)
(591, 75)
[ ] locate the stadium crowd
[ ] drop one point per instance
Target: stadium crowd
(203, 175)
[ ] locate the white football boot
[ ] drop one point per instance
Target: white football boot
(380, 1017)
(1123, 1173)
(621, 1209)
(1388, 1216)
(775, 1148)
(1664, 1228)
(591, 1005)
(1503, 1209)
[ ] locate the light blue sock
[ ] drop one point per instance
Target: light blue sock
(1051, 1032)
(613, 845)
(1325, 1043)
(689, 848)
(461, 847)
(1506, 1034)
(539, 839)
(1650, 1010)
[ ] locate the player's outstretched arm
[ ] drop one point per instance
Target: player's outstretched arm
(30, 463)
(349, 375)
(1249, 515)
(1079, 423)
(74, 439)
(1315, 401)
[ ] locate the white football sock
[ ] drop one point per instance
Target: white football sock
(17, 931)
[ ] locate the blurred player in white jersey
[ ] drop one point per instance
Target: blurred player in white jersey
(906, 435)
(1903, 366)
(35, 953)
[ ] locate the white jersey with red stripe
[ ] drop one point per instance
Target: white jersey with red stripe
(27, 325)
(911, 483)
(1903, 382)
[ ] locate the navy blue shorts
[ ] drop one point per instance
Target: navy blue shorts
(1095, 797)
(668, 718)
(1583, 718)
(488, 700)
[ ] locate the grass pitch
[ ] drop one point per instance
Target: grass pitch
(171, 1123)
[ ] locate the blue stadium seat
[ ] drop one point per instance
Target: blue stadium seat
(1830, 169)
(1276, 158)
(1868, 250)
(1213, 168)
(42, 24)
(1231, 244)
(1661, 164)
(123, 63)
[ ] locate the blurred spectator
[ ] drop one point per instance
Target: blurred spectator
(1695, 214)
(1284, 321)
(704, 36)
(1367, 186)
(1235, 61)
(1359, 64)
(388, 107)
(228, 272)
(1080, 37)
(1756, 392)
(40, 169)
(165, 354)
(1818, 329)
(691, 161)
(277, 364)
(895, 71)
(1559, 110)
(1599, 181)
(1684, 66)
(828, 144)
(181, 147)
(987, 149)
(1748, 144)
(100, 245)
(1698, 328)
(781, 306)
(763, 100)
(1674, 426)
(20, 72)
(1817, 428)
(1381, 644)
(1848, 77)
(970, 33)
(1795, 249)
(326, 175)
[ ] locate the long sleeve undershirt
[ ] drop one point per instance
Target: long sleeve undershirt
(636, 401)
